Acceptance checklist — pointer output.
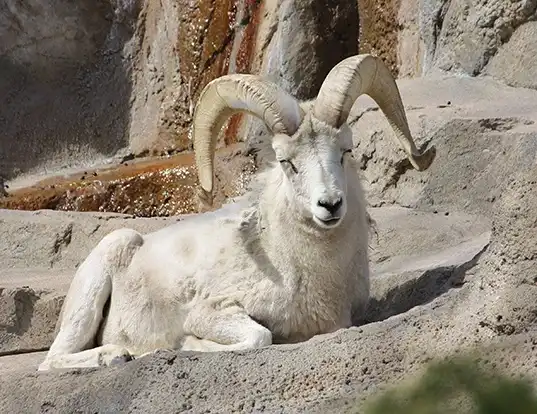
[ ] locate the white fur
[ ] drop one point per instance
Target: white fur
(264, 270)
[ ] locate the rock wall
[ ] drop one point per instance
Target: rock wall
(462, 117)
(83, 82)
(516, 61)
(379, 28)
(417, 37)
(64, 81)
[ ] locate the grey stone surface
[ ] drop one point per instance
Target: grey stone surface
(459, 36)
(28, 318)
(64, 86)
(516, 61)
(21, 362)
(309, 39)
(453, 260)
(462, 117)
(65, 238)
(470, 33)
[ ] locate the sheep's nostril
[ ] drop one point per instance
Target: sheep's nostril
(337, 204)
(332, 207)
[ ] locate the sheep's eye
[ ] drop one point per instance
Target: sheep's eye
(290, 164)
(343, 155)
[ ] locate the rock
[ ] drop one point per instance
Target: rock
(417, 37)
(516, 61)
(64, 86)
(27, 319)
(420, 256)
(380, 29)
(470, 33)
(3, 192)
(124, 77)
(181, 46)
(306, 375)
(462, 117)
(64, 238)
(68, 33)
(309, 38)
(21, 362)
(165, 186)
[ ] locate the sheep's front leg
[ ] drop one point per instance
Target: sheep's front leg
(105, 355)
(230, 328)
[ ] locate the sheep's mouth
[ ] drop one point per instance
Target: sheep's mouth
(327, 223)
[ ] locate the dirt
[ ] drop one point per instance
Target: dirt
(379, 28)
(153, 187)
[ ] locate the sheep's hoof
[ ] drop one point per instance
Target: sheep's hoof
(121, 359)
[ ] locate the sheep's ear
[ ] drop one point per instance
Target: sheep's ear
(227, 95)
(366, 74)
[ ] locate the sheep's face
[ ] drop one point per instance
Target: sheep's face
(314, 161)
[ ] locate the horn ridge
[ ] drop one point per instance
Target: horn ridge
(229, 94)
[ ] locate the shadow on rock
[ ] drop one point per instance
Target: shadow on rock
(420, 289)
(20, 304)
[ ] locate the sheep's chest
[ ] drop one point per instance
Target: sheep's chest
(295, 315)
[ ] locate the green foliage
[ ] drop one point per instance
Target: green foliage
(462, 387)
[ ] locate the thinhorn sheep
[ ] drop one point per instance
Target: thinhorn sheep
(287, 262)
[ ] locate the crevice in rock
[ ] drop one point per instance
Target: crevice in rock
(62, 240)
(430, 285)
(439, 24)
(24, 300)
(23, 351)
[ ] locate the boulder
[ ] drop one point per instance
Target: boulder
(484, 132)
(64, 83)
(470, 33)
(417, 37)
(516, 61)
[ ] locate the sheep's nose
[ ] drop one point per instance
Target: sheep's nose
(331, 206)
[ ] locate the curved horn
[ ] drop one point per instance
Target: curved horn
(366, 74)
(227, 95)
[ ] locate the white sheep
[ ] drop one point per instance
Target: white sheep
(285, 263)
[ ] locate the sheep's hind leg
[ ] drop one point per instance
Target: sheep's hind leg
(227, 329)
(82, 311)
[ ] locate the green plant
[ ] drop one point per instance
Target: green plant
(459, 386)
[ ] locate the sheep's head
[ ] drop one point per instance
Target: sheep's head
(314, 163)
(312, 146)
